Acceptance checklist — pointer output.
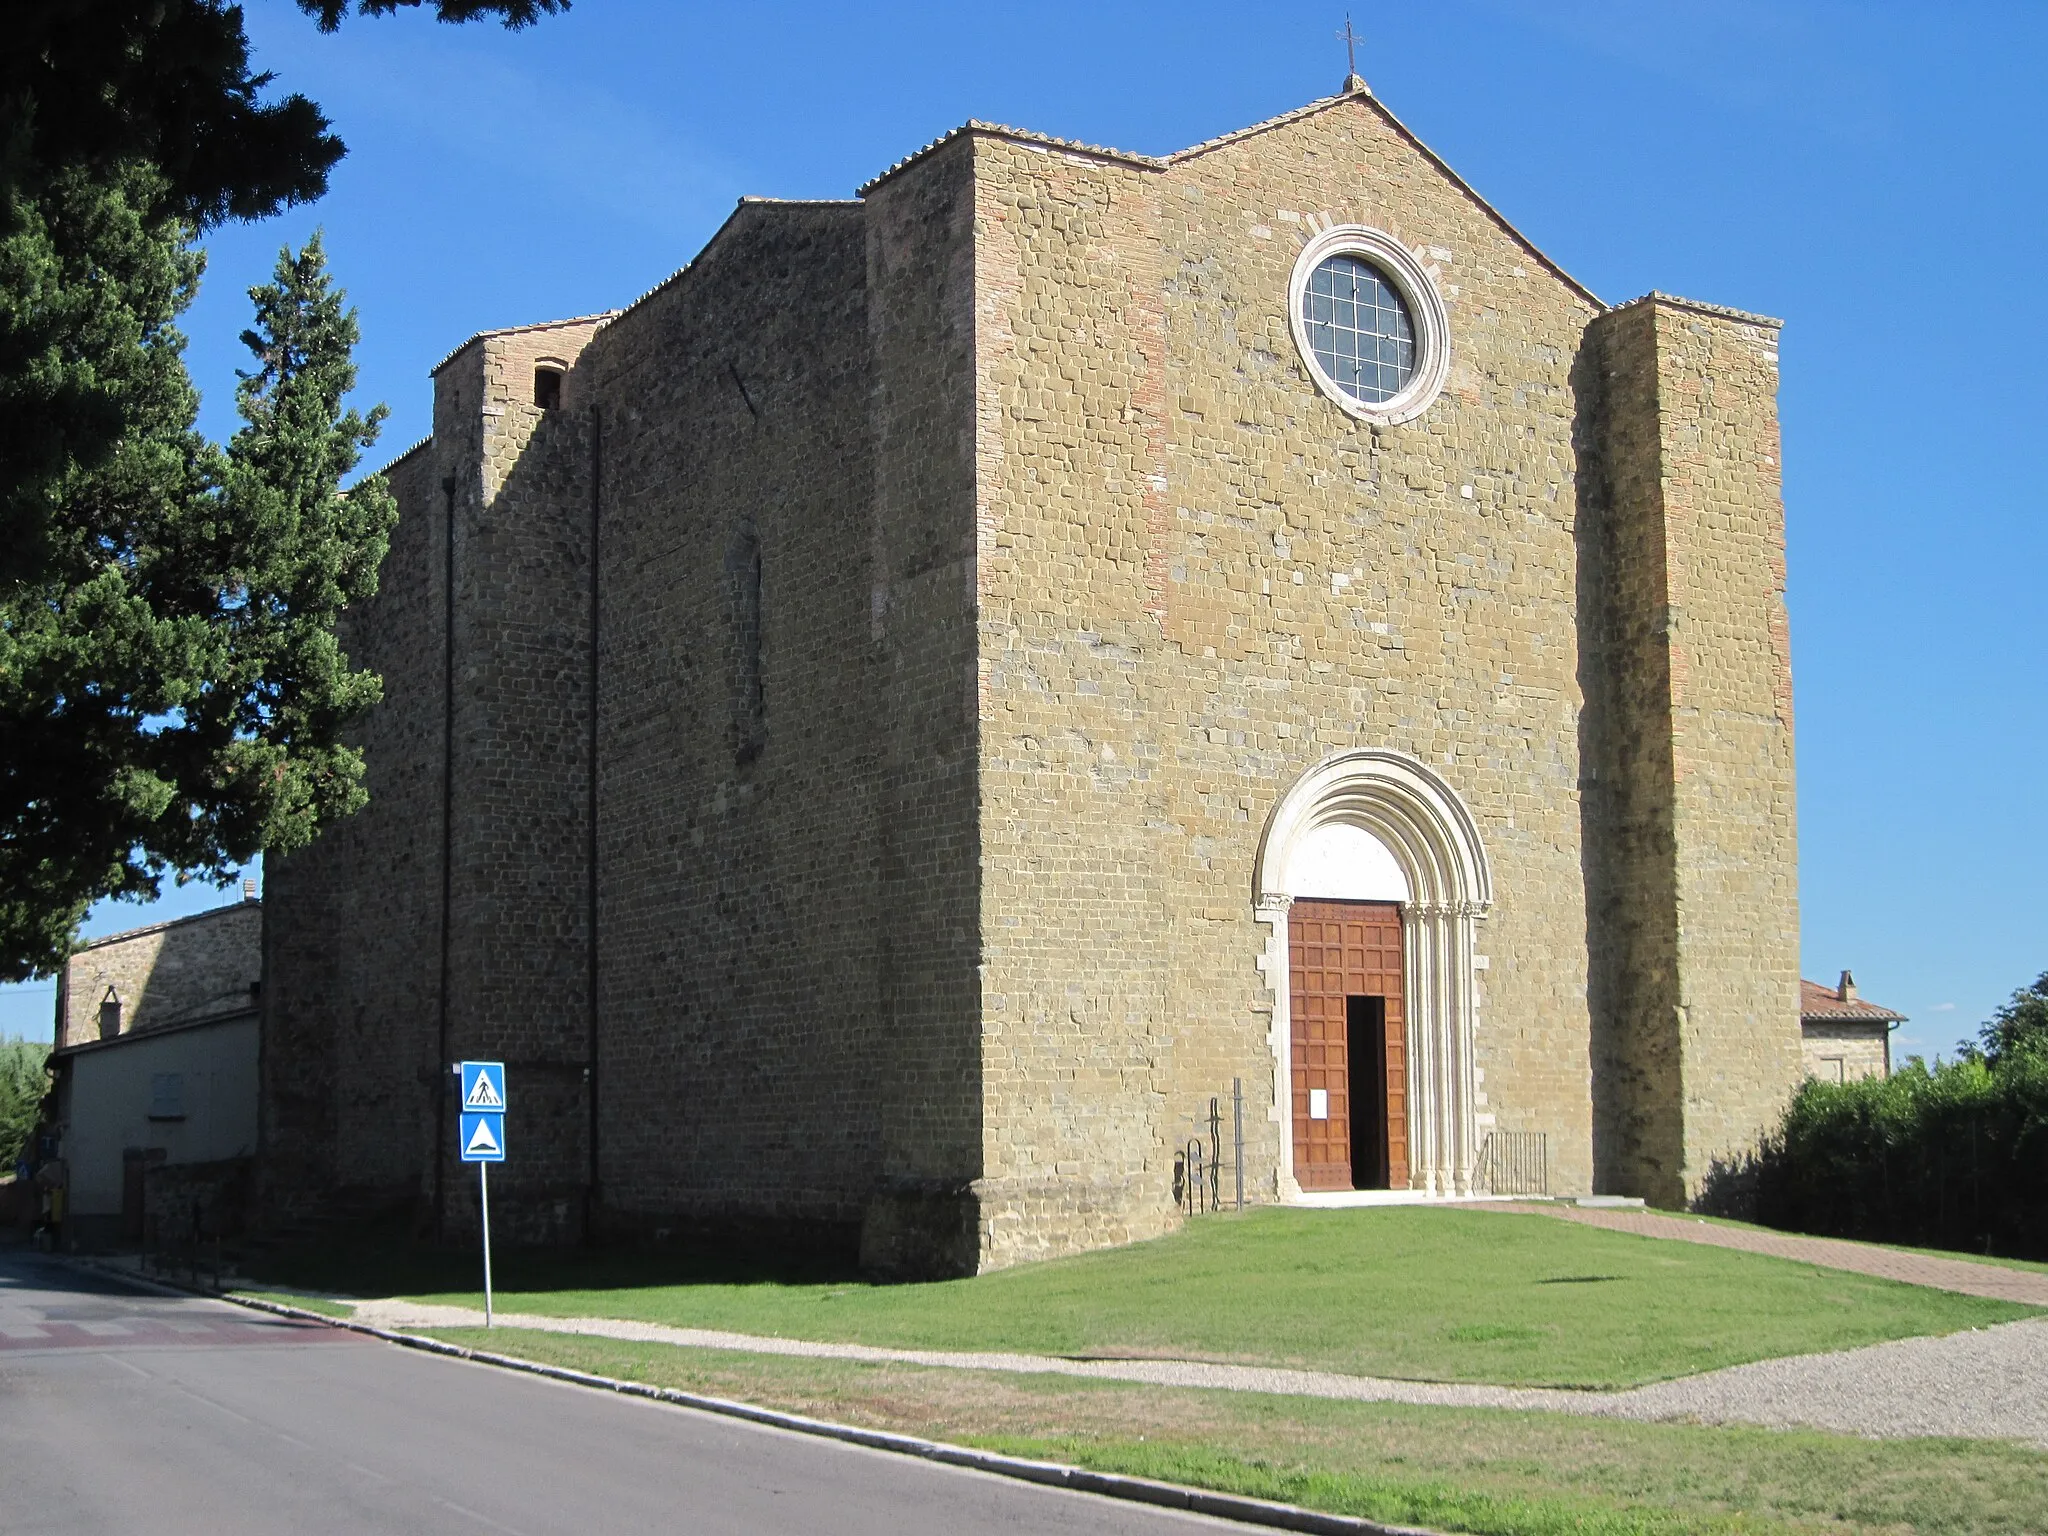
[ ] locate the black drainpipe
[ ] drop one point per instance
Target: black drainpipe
(441, 1107)
(591, 1193)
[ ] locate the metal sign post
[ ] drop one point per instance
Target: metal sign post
(482, 1124)
(1237, 1125)
(483, 1193)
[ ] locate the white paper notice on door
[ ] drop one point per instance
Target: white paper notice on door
(1319, 1103)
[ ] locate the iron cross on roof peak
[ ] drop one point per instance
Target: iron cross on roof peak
(1352, 79)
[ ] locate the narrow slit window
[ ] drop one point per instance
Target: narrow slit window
(749, 706)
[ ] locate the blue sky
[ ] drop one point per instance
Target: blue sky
(1873, 172)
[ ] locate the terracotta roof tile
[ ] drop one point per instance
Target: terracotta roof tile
(1819, 1002)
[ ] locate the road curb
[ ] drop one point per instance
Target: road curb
(1052, 1474)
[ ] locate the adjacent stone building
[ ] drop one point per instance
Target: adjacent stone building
(1843, 1035)
(881, 731)
(182, 971)
(155, 1074)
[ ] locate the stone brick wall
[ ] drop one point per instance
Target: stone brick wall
(1075, 913)
(519, 941)
(1696, 921)
(1413, 584)
(357, 1025)
(1631, 886)
(1247, 581)
(742, 1048)
(923, 322)
(167, 973)
(353, 937)
(1838, 1051)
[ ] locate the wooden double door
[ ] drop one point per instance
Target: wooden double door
(1349, 1044)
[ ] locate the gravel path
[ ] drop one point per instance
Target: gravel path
(1990, 1383)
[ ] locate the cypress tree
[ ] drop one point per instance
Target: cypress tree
(172, 692)
(172, 689)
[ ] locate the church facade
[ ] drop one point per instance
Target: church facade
(882, 731)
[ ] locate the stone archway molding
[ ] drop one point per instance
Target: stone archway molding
(1421, 820)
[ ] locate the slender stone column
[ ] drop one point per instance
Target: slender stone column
(1272, 910)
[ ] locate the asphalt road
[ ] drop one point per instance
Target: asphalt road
(123, 1412)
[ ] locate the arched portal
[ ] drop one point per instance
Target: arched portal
(1374, 826)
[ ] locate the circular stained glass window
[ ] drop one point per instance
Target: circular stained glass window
(1359, 328)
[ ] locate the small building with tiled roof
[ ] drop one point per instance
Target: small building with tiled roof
(155, 1075)
(1844, 1037)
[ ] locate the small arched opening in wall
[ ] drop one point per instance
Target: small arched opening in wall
(1373, 878)
(548, 374)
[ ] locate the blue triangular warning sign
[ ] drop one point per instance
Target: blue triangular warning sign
(485, 1092)
(483, 1140)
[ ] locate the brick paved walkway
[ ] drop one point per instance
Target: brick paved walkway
(2029, 1287)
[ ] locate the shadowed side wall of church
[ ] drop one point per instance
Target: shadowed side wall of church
(1696, 918)
(922, 322)
(357, 1029)
(352, 922)
(518, 937)
(741, 1056)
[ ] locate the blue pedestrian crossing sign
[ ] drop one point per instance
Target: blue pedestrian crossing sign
(482, 1122)
(482, 1138)
(483, 1087)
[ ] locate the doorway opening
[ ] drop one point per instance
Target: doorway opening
(1366, 1027)
(1349, 1045)
(1362, 830)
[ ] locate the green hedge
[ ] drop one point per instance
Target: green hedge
(23, 1081)
(1953, 1157)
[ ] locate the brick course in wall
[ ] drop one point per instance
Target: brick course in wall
(962, 578)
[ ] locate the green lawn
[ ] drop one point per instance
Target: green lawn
(1438, 1295)
(1469, 1470)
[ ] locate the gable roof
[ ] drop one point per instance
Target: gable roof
(211, 914)
(1698, 307)
(231, 1013)
(1818, 1003)
(744, 208)
(1362, 92)
(1355, 91)
(514, 330)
